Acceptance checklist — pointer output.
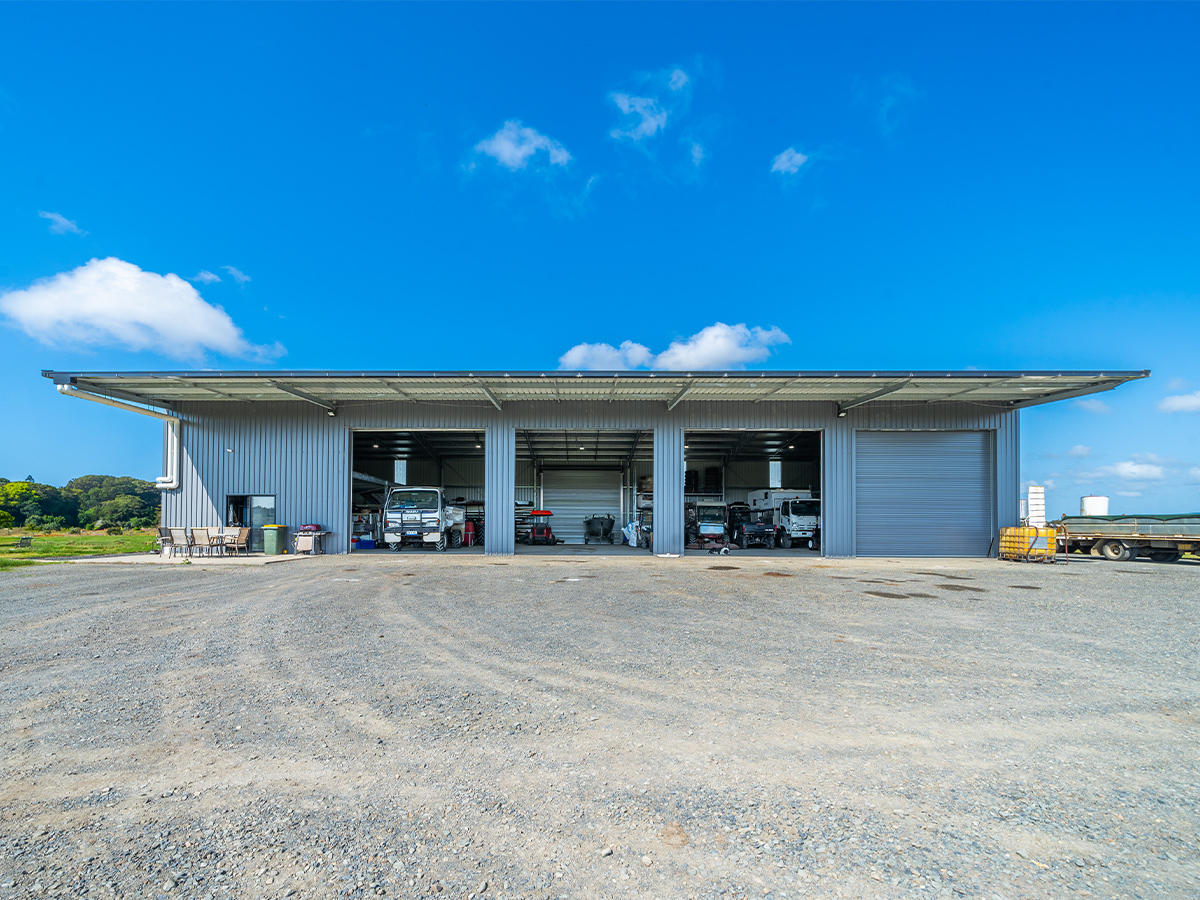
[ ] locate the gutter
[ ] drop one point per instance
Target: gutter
(168, 482)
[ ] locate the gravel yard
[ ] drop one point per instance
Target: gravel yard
(420, 724)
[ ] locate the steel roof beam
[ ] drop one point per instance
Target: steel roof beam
(679, 397)
(778, 390)
(330, 406)
(843, 408)
(492, 397)
(421, 442)
(200, 387)
(1061, 395)
(105, 391)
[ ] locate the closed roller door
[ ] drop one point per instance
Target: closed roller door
(924, 493)
(573, 495)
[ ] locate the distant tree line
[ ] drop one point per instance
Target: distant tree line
(93, 501)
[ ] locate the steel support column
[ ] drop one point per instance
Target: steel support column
(499, 490)
(837, 488)
(668, 489)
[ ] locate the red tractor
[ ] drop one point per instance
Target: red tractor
(540, 531)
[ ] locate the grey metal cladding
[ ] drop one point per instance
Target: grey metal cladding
(668, 489)
(301, 455)
(500, 471)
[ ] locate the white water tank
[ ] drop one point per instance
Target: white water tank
(1093, 505)
(1037, 506)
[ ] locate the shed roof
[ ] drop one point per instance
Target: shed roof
(1004, 390)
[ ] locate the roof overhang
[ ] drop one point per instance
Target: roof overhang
(332, 390)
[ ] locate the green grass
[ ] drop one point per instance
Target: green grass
(15, 563)
(88, 543)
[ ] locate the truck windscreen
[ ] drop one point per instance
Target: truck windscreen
(413, 500)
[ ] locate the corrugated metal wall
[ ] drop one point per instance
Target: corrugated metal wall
(668, 489)
(500, 473)
(302, 456)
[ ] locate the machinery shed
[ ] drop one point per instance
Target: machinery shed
(902, 463)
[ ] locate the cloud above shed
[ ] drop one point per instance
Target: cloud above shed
(718, 346)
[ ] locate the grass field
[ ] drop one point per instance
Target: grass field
(88, 543)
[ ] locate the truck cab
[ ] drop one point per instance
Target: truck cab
(421, 516)
(795, 514)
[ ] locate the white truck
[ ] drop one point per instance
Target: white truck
(421, 516)
(796, 516)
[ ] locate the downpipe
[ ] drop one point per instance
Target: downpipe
(168, 482)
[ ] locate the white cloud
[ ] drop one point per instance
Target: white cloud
(1127, 470)
(61, 224)
(719, 346)
(205, 277)
(238, 276)
(1093, 405)
(110, 302)
(1129, 493)
(789, 162)
(1137, 471)
(678, 80)
(697, 154)
(605, 356)
(1181, 403)
(1079, 451)
(1194, 473)
(645, 114)
(514, 144)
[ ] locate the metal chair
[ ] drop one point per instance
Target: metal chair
(179, 541)
(238, 539)
(163, 540)
(200, 542)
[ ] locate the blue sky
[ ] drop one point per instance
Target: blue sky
(901, 186)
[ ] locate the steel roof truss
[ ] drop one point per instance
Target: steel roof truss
(874, 395)
(330, 406)
(1061, 395)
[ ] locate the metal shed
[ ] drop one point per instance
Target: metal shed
(888, 442)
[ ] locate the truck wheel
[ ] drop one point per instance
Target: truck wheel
(786, 542)
(1166, 555)
(396, 546)
(1114, 551)
(742, 542)
(456, 539)
(441, 543)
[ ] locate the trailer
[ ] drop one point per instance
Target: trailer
(1120, 538)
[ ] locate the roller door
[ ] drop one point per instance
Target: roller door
(924, 493)
(572, 495)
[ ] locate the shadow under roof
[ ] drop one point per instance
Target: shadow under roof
(1003, 390)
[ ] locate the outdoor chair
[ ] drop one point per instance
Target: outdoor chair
(216, 542)
(180, 542)
(163, 539)
(238, 539)
(200, 542)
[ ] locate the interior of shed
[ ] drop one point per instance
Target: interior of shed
(451, 460)
(584, 477)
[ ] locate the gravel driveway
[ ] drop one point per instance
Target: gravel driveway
(423, 724)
